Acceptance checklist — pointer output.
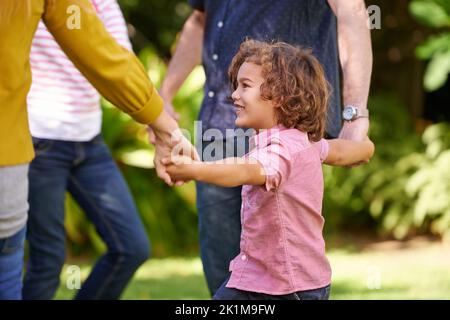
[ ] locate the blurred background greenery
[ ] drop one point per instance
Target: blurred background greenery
(405, 190)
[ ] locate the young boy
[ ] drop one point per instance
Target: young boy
(281, 92)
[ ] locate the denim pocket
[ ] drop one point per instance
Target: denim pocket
(13, 243)
(42, 145)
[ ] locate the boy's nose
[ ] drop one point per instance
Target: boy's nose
(235, 95)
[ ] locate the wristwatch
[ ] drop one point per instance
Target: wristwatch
(351, 113)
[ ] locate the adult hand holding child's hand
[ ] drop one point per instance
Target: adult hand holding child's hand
(169, 141)
(356, 130)
(168, 107)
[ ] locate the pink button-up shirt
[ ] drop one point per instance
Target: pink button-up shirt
(282, 247)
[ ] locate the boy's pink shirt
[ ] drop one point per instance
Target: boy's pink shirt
(282, 247)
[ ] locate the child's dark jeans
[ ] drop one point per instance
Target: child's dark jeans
(225, 293)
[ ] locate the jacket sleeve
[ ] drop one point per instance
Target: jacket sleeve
(114, 71)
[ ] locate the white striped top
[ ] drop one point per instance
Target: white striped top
(62, 104)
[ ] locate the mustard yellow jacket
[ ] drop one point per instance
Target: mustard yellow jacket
(115, 72)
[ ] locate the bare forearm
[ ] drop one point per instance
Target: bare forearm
(164, 127)
(230, 172)
(346, 152)
(187, 55)
(355, 50)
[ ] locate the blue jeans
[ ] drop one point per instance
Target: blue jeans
(11, 265)
(88, 172)
(225, 293)
(219, 218)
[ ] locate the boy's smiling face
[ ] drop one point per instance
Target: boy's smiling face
(252, 111)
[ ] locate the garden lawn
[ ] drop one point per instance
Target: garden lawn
(388, 270)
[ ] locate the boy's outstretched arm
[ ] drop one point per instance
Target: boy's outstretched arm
(229, 172)
(348, 152)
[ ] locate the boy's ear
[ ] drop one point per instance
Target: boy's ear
(276, 105)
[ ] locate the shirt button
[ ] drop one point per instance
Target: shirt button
(215, 57)
(211, 94)
(243, 257)
(220, 24)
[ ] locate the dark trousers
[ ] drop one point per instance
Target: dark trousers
(89, 173)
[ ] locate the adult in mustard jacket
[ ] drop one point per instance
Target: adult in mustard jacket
(114, 71)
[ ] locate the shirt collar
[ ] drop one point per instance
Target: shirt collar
(264, 136)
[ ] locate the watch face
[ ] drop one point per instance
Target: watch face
(348, 113)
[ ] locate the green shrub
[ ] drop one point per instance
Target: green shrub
(404, 189)
(436, 49)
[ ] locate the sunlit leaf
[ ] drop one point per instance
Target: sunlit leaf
(437, 71)
(429, 13)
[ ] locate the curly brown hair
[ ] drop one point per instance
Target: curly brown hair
(294, 81)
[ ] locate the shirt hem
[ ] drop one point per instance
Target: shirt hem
(85, 138)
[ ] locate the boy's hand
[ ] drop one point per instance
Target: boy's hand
(180, 168)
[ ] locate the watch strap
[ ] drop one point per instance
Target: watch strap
(362, 113)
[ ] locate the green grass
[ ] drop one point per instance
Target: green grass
(386, 271)
(415, 273)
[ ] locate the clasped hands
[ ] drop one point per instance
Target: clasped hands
(170, 151)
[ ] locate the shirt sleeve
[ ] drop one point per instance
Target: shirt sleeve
(197, 4)
(112, 17)
(275, 161)
(323, 147)
(113, 70)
